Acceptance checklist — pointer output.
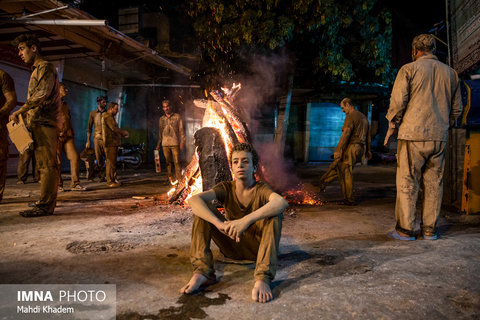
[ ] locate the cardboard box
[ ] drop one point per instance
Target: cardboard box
(19, 134)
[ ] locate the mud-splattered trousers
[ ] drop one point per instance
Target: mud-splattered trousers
(259, 243)
(344, 170)
(419, 162)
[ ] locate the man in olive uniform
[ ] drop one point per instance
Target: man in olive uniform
(354, 143)
(66, 144)
(8, 101)
(43, 102)
(113, 138)
(95, 119)
(171, 137)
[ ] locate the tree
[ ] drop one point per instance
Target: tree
(335, 40)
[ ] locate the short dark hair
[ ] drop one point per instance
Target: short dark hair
(247, 147)
(112, 105)
(29, 39)
(424, 42)
(347, 101)
(100, 98)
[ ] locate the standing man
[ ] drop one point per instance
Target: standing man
(171, 137)
(113, 138)
(67, 144)
(8, 101)
(43, 102)
(250, 229)
(425, 102)
(354, 143)
(95, 119)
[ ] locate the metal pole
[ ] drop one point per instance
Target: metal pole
(75, 22)
(447, 21)
(43, 12)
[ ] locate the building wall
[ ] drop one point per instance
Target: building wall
(326, 121)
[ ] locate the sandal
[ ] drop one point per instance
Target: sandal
(35, 212)
(394, 235)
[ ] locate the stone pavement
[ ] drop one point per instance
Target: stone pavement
(335, 263)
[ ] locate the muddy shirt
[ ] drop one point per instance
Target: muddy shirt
(6, 85)
(111, 132)
(43, 101)
(170, 130)
(425, 100)
(225, 193)
(66, 130)
(95, 119)
(358, 124)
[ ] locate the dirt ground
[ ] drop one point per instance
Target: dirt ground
(335, 263)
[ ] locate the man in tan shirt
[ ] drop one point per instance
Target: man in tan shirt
(425, 101)
(354, 143)
(8, 101)
(66, 144)
(250, 229)
(112, 135)
(171, 137)
(43, 102)
(95, 120)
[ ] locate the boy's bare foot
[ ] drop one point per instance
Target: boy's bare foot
(195, 283)
(261, 292)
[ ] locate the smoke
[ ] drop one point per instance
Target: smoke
(262, 84)
(277, 171)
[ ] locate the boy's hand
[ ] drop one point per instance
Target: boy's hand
(235, 228)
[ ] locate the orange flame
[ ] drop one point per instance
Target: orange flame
(213, 120)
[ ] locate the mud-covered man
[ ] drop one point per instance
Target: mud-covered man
(113, 139)
(8, 101)
(425, 102)
(171, 138)
(66, 144)
(43, 102)
(95, 120)
(250, 229)
(353, 145)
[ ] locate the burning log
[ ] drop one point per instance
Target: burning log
(180, 192)
(233, 117)
(213, 159)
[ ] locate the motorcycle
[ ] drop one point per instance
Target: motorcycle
(131, 155)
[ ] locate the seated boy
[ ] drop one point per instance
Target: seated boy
(250, 230)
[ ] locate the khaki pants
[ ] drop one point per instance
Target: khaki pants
(45, 147)
(259, 243)
(419, 161)
(99, 147)
(344, 170)
(172, 152)
(24, 159)
(111, 171)
(3, 161)
(68, 146)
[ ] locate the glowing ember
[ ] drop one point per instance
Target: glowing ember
(300, 195)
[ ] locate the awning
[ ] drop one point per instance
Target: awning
(61, 40)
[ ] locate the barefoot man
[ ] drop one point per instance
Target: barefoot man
(250, 229)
